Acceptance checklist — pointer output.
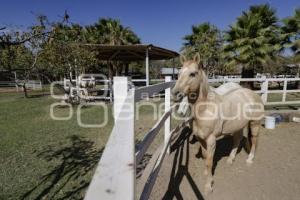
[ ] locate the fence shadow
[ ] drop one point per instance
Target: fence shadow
(69, 178)
(180, 167)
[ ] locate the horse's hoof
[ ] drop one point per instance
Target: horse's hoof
(249, 162)
(205, 172)
(208, 188)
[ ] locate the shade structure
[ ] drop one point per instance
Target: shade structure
(132, 52)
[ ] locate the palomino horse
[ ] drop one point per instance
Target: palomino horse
(218, 114)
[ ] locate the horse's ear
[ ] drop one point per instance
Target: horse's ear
(197, 58)
(182, 59)
(200, 65)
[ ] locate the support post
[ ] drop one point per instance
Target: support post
(120, 88)
(167, 108)
(115, 176)
(284, 90)
(147, 67)
(17, 87)
(264, 89)
(110, 88)
(173, 63)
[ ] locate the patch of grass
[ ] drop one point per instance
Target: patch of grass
(42, 158)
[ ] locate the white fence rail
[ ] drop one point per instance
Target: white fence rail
(34, 84)
(265, 88)
(115, 174)
(30, 84)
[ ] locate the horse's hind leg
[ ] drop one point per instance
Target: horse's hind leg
(254, 131)
(236, 143)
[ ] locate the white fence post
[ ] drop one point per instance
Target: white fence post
(264, 89)
(167, 108)
(110, 88)
(120, 89)
(284, 90)
(115, 175)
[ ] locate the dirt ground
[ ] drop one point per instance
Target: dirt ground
(275, 173)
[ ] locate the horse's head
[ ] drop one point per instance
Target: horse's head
(192, 81)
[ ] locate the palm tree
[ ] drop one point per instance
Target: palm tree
(291, 30)
(205, 39)
(111, 31)
(253, 40)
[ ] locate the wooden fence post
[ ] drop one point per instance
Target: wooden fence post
(167, 108)
(120, 89)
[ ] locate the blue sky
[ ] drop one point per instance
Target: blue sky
(160, 22)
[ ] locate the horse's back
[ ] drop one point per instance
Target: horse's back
(247, 100)
(226, 88)
(241, 106)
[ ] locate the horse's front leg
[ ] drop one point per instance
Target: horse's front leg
(203, 148)
(211, 146)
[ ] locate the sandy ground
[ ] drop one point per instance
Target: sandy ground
(275, 173)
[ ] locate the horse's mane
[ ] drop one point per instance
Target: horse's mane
(204, 86)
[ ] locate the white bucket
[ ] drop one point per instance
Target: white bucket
(269, 122)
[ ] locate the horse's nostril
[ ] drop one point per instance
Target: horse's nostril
(179, 95)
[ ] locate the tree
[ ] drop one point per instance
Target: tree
(253, 40)
(63, 52)
(111, 31)
(206, 40)
(291, 29)
(51, 51)
(17, 57)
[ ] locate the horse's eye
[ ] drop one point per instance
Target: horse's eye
(192, 74)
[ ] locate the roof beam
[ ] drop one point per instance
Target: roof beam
(135, 54)
(114, 55)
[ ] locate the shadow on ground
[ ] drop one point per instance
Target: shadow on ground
(180, 168)
(68, 178)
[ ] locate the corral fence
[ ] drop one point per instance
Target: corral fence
(265, 85)
(34, 84)
(115, 175)
(105, 92)
(30, 84)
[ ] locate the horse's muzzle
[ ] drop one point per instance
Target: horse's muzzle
(177, 96)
